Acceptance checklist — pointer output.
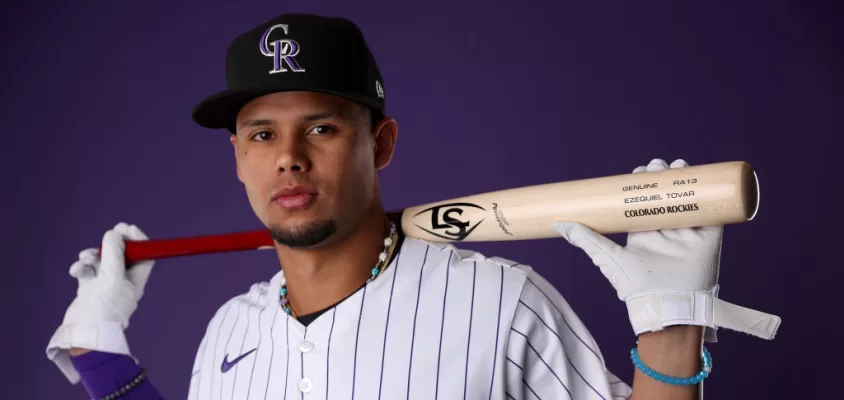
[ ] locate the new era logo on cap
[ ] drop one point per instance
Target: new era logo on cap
(295, 52)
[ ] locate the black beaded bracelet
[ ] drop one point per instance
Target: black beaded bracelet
(128, 387)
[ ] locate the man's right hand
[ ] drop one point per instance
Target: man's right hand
(107, 296)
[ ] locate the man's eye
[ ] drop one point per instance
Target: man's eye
(262, 135)
(321, 129)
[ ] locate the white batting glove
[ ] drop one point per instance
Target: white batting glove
(108, 294)
(669, 277)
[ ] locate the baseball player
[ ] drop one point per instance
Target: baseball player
(358, 310)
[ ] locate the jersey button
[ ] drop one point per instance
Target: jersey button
(305, 385)
(306, 346)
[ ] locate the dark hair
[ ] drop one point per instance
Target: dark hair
(375, 117)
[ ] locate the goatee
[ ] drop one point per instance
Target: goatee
(303, 236)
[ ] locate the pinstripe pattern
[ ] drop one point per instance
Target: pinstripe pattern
(357, 341)
(302, 365)
(415, 315)
(287, 357)
(442, 329)
(328, 352)
(272, 354)
(469, 338)
(440, 322)
(387, 325)
(497, 332)
(252, 370)
(236, 318)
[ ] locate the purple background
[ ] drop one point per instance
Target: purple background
(97, 103)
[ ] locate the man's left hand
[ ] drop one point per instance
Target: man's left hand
(669, 277)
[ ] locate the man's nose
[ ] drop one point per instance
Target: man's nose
(292, 156)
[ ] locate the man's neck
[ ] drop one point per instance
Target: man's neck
(318, 278)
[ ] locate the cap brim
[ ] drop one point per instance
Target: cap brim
(220, 109)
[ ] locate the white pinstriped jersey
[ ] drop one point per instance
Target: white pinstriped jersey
(440, 323)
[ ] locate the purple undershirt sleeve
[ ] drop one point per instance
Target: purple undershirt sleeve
(104, 373)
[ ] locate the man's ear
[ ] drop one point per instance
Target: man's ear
(233, 140)
(385, 134)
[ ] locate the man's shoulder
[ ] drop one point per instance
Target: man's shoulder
(258, 296)
(460, 254)
(520, 279)
(442, 255)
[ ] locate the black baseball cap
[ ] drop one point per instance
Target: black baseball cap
(294, 52)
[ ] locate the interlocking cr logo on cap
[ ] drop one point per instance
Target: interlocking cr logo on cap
(282, 51)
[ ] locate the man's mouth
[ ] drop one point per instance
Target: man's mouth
(294, 196)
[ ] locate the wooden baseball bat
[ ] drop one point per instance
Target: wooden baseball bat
(702, 195)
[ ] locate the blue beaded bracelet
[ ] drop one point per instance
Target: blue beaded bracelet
(692, 380)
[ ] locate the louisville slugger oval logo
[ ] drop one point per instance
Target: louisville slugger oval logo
(448, 221)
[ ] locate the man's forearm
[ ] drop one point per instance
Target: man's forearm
(674, 351)
(103, 374)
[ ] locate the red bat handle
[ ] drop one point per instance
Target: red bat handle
(218, 243)
(167, 248)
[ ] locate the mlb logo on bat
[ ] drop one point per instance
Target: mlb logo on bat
(283, 51)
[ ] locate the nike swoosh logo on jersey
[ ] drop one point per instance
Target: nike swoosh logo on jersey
(227, 365)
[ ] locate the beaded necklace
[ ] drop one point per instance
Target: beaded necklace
(383, 261)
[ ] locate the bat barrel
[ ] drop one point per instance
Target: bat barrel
(752, 194)
(703, 195)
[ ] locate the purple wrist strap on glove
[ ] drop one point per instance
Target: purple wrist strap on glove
(104, 373)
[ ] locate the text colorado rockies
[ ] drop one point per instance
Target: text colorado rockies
(642, 212)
